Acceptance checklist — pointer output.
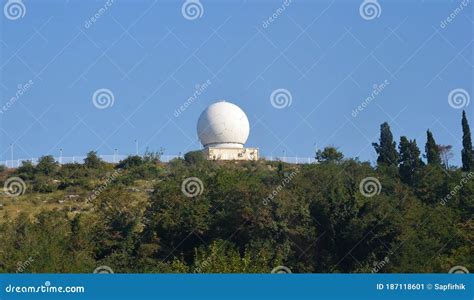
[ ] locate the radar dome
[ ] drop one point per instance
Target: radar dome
(223, 125)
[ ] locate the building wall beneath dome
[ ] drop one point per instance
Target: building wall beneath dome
(214, 153)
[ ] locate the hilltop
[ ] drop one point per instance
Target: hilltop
(194, 215)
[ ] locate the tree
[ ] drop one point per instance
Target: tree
(410, 161)
(432, 152)
(446, 154)
(466, 153)
(386, 149)
(93, 161)
(194, 157)
(329, 154)
(130, 162)
(153, 156)
(119, 215)
(47, 165)
(224, 257)
(26, 170)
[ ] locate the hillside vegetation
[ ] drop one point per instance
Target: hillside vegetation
(193, 215)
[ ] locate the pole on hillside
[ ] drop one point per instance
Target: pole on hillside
(11, 154)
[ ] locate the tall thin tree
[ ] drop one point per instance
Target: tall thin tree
(386, 149)
(410, 161)
(432, 152)
(466, 153)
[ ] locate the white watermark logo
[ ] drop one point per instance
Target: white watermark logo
(370, 186)
(199, 89)
(103, 98)
(379, 265)
(14, 9)
(281, 98)
(377, 90)
(192, 187)
(370, 9)
(457, 188)
(98, 14)
(458, 270)
(103, 270)
(14, 186)
(109, 180)
(444, 23)
(45, 288)
(276, 14)
(21, 90)
(22, 266)
(288, 178)
(281, 270)
(192, 10)
(459, 98)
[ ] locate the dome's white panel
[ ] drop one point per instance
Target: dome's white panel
(223, 124)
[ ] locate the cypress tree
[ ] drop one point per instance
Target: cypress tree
(410, 161)
(431, 150)
(386, 149)
(466, 153)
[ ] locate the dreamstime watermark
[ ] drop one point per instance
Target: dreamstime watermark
(14, 186)
(458, 270)
(379, 265)
(377, 89)
(22, 266)
(454, 13)
(14, 9)
(192, 187)
(99, 13)
(192, 10)
(199, 89)
(103, 98)
(457, 188)
(203, 265)
(285, 181)
(44, 288)
(370, 186)
(103, 270)
(459, 98)
(370, 9)
(110, 179)
(281, 98)
(285, 4)
(21, 90)
(281, 270)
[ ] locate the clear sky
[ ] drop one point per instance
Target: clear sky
(153, 55)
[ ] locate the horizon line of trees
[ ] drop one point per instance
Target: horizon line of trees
(408, 156)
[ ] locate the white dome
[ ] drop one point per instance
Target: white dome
(223, 125)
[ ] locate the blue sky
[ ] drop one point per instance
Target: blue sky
(326, 54)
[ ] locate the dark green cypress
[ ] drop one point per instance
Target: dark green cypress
(386, 149)
(466, 153)
(410, 161)
(431, 150)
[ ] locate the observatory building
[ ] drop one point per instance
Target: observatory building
(223, 129)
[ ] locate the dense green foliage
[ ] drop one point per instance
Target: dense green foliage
(329, 154)
(241, 217)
